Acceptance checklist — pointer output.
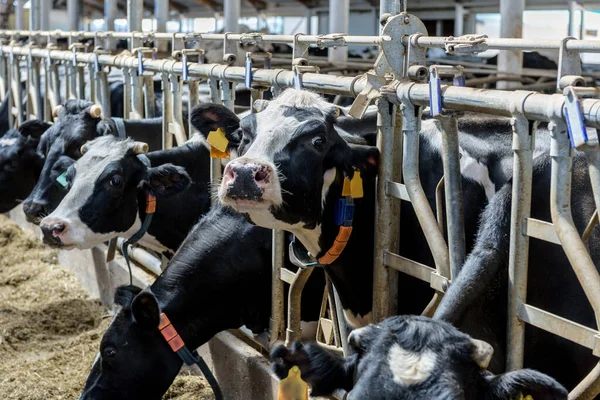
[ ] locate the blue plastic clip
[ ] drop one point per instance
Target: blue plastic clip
(248, 74)
(574, 117)
(62, 179)
(435, 93)
(459, 80)
(268, 62)
(140, 63)
(344, 212)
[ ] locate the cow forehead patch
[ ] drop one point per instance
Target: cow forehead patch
(4, 142)
(409, 368)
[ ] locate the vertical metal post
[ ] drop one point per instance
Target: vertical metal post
(277, 287)
(523, 142)
(161, 13)
(167, 111)
(232, 11)
(73, 13)
(294, 330)
(135, 12)
(193, 85)
(339, 19)
(453, 191)
(575, 19)
(439, 27)
(216, 169)
(176, 127)
(34, 15)
(45, 10)
(127, 92)
(149, 97)
(19, 15)
(17, 99)
(470, 22)
(393, 7)
(309, 14)
(387, 211)
(110, 14)
(511, 26)
(459, 19)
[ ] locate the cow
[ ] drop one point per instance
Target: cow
(411, 357)
(20, 163)
(220, 278)
(289, 176)
(107, 190)
(61, 144)
(476, 301)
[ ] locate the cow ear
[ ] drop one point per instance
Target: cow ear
(360, 339)
(166, 180)
(34, 128)
(209, 117)
(365, 158)
(525, 382)
(145, 310)
(125, 294)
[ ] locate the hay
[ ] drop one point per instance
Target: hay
(50, 329)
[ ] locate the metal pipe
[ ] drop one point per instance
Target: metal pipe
(294, 330)
(511, 26)
(453, 190)
(560, 210)
(142, 257)
(309, 14)
(393, 7)
(593, 157)
(589, 387)
(459, 19)
(470, 22)
(161, 13)
(135, 13)
(45, 11)
(439, 27)
(387, 211)
(410, 169)
(73, 14)
(110, 14)
(339, 18)
(232, 11)
(575, 19)
(277, 297)
(19, 15)
(167, 111)
(523, 144)
(34, 15)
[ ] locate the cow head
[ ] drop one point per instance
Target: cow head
(77, 122)
(135, 361)
(291, 158)
(20, 163)
(413, 357)
(106, 187)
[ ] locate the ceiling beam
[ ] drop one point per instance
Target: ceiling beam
(259, 5)
(212, 4)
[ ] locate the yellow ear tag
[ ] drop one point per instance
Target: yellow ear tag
(216, 153)
(356, 186)
(293, 387)
(218, 140)
(346, 189)
(528, 397)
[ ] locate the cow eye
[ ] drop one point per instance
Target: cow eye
(109, 353)
(318, 142)
(116, 181)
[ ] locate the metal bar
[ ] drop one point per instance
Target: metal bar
(287, 276)
(453, 190)
(294, 330)
(34, 15)
(459, 19)
(416, 270)
(103, 92)
(232, 11)
(339, 19)
(523, 144)
(149, 97)
(127, 92)
(410, 168)
(73, 13)
(277, 287)
(135, 13)
(137, 97)
(387, 211)
(541, 230)
(193, 102)
(45, 10)
(593, 157)
(589, 387)
(392, 6)
(398, 190)
(167, 111)
(560, 210)
(110, 14)
(143, 258)
(19, 16)
(511, 26)
(559, 326)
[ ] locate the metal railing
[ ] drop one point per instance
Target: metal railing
(397, 85)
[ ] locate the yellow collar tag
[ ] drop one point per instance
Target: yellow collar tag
(356, 186)
(346, 189)
(293, 387)
(528, 397)
(216, 153)
(218, 140)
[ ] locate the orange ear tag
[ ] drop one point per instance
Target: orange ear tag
(356, 186)
(346, 189)
(218, 144)
(293, 387)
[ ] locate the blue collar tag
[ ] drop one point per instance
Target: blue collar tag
(62, 179)
(344, 212)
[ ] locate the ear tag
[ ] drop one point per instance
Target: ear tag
(62, 179)
(293, 387)
(346, 189)
(216, 153)
(344, 212)
(218, 140)
(356, 186)
(528, 397)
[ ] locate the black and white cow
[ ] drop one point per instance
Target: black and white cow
(20, 163)
(107, 190)
(220, 278)
(61, 146)
(412, 357)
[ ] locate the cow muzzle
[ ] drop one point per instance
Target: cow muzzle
(34, 211)
(249, 182)
(54, 230)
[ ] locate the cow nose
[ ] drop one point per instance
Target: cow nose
(34, 211)
(52, 231)
(247, 181)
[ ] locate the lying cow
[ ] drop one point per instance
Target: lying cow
(411, 357)
(78, 121)
(20, 163)
(107, 190)
(219, 279)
